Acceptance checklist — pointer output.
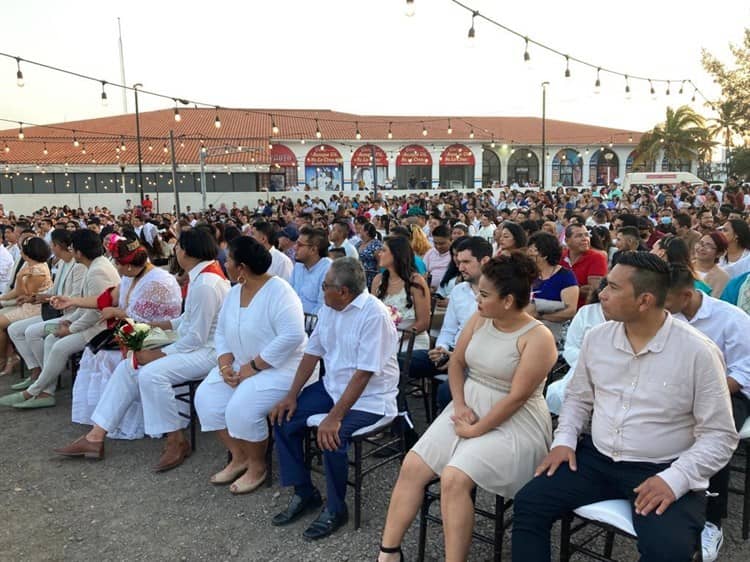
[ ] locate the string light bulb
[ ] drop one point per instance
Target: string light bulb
(630, 138)
(164, 148)
(472, 33)
(651, 87)
(567, 66)
(628, 95)
(104, 95)
(217, 121)
(667, 92)
(598, 83)
(19, 74)
(390, 132)
(682, 88)
(177, 116)
(357, 134)
(274, 128)
(694, 91)
(492, 144)
(150, 146)
(44, 150)
(318, 134)
(471, 134)
(7, 148)
(83, 149)
(424, 130)
(123, 148)
(270, 145)
(526, 55)
(410, 9)
(20, 131)
(450, 129)
(302, 140)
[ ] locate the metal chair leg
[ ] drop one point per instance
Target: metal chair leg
(357, 483)
(193, 416)
(565, 524)
(746, 495)
(423, 512)
(499, 527)
(609, 544)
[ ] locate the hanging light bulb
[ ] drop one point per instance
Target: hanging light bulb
(104, 95)
(83, 149)
(567, 67)
(630, 138)
(410, 9)
(450, 129)
(318, 134)
(651, 87)
(667, 92)
(44, 150)
(270, 145)
(610, 144)
(20, 131)
(182, 144)
(217, 121)
(628, 95)
(682, 88)
(19, 74)
(150, 146)
(274, 128)
(693, 98)
(123, 148)
(7, 148)
(357, 134)
(471, 134)
(302, 141)
(598, 83)
(424, 130)
(528, 155)
(390, 133)
(526, 55)
(472, 33)
(164, 148)
(177, 116)
(492, 144)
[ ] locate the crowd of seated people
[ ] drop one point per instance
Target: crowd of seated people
(624, 322)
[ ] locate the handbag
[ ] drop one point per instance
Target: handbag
(103, 340)
(49, 312)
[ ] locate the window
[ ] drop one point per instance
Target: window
(490, 168)
(523, 167)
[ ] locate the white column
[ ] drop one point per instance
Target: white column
(478, 151)
(435, 167)
(504, 169)
(623, 157)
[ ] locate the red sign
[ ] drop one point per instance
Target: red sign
(323, 155)
(661, 176)
(283, 157)
(414, 155)
(457, 155)
(362, 157)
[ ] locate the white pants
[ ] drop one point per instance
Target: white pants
(28, 337)
(241, 410)
(154, 384)
(56, 354)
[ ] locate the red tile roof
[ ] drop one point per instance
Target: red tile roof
(251, 128)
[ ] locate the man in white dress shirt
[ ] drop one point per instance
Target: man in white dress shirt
(281, 265)
(340, 238)
(654, 389)
(357, 340)
(189, 358)
(728, 327)
(6, 268)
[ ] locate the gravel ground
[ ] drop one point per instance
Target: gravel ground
(72, 509)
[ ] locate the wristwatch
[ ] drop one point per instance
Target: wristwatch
(254, 366)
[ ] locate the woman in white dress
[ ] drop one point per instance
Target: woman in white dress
(146, 294)
(403, 290)
(260, 339)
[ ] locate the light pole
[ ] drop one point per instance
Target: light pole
(138, 140)
(544, 131)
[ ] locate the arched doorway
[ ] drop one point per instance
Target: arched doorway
(490, 168)
(641, 167)
(414, 168)
(324, 169)
(604, 167)
(283, 171)
(457, 167)
(523, 167)
(567, 168)
(362, 167)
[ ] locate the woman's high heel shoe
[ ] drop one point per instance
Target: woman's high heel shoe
(10, 365)
(393, 550)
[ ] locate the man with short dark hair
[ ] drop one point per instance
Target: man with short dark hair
(311, 268)
(655, 393)
(438, 258)
(357, 340)
(339, 238)
(281, 264)
(684, 227)
(588, 265)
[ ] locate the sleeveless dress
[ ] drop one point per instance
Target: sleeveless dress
(28, 310)
(502, 460)
(156, 297)
(407, 317)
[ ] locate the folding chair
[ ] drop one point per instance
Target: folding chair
(745, 445)
(187, 396)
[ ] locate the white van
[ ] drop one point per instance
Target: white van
(659, 178)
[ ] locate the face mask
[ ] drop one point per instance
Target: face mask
(666, 220)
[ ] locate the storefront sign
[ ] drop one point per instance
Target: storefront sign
(414, 155)
(362, 157)
(282, 157)
(457, 155)
(323, 155)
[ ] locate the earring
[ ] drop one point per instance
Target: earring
(241, 280)
(130, 268)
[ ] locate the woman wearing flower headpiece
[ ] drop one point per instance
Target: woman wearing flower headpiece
(145, 294)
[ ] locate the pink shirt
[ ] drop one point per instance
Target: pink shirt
(437, 264)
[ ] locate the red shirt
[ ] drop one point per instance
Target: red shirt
(147, 205)
(589, 263)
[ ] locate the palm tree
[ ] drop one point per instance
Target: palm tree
(731, 120)
(682, 137)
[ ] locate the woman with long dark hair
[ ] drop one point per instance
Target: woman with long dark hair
(368, 250)
(403, 290)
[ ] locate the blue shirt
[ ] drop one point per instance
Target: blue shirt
(551, 289)
(308, 284)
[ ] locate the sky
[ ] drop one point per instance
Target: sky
(364, 56)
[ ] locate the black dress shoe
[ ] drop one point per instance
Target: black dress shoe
(297, 508)
(325, 524)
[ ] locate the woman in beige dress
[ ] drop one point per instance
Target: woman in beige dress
(498, 427)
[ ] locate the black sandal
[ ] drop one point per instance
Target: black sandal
(392, 550)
